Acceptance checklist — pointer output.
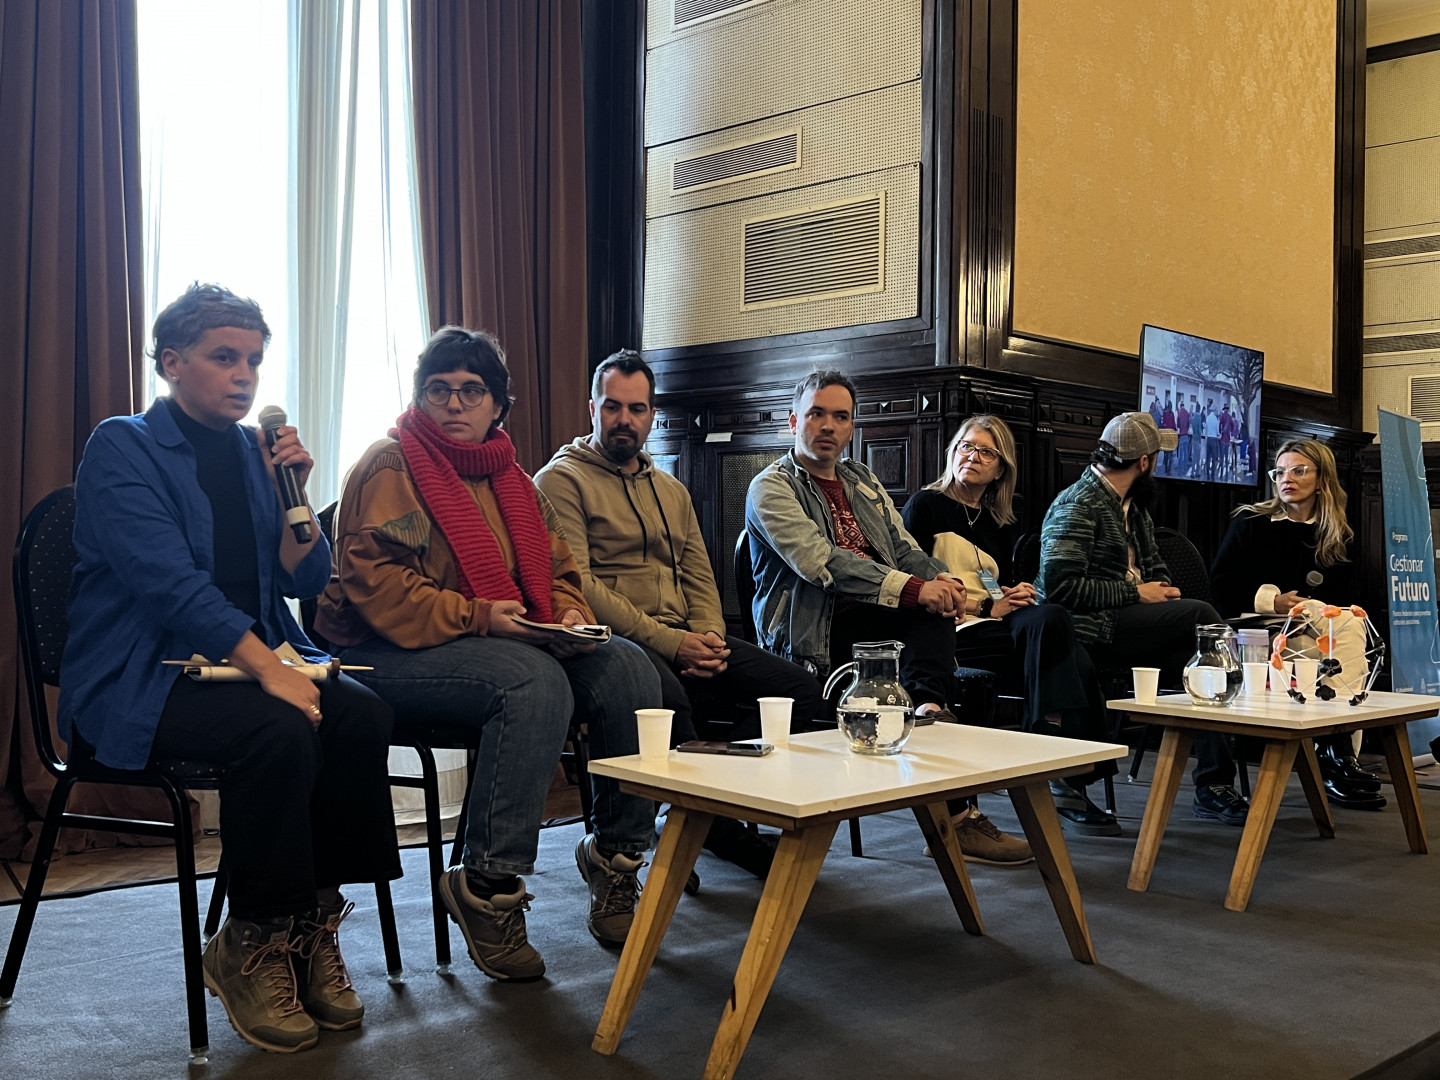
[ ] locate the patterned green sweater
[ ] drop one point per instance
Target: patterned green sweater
(1084, 556)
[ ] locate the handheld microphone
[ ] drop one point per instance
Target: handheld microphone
(297, 511)
(1314, 578)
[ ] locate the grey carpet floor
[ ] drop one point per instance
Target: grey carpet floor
(1334, 968)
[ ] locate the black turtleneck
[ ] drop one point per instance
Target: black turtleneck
(220, 471)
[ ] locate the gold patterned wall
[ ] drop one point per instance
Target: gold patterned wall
(1175, 164)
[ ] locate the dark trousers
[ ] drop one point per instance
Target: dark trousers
(1034, 651)
(927, 663)
(750, 673)
(300, 808)
(1163, 636)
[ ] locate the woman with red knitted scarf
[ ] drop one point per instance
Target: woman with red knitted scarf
(441, 542)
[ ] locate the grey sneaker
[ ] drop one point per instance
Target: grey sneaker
(614, 889)
(982, 842)
(247, 966)
(325, 988)
(494, 929)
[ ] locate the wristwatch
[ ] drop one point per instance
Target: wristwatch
(986, 606)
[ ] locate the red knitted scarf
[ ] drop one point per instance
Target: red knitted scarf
(437, 462)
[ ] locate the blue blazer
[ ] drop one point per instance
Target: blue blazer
(144, 589)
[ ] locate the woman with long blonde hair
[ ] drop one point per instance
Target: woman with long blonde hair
(1289, 549)
(970, 519)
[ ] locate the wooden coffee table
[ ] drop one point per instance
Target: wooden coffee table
(1288, 729)
(805, 790)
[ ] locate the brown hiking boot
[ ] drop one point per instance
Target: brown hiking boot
(982, 842)
(247, 966)
(325, 988)
(614, 889)
(494, 929)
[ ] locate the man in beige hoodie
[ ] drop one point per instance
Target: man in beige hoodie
(645, 570)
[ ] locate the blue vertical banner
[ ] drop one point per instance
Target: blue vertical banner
(1409, 569)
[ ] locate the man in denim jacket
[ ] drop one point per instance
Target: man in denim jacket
(834, 565)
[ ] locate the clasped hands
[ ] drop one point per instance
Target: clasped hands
(702, 656)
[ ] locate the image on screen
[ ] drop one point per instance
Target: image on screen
(1208, 393)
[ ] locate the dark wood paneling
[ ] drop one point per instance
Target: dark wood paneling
(1397, 49)
(723, 407)
(614, 57)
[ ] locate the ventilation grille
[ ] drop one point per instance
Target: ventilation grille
(778, 153)
(1425, 397)
(689, 12)
(1398, 343)
(837, 249)
(1414, 245)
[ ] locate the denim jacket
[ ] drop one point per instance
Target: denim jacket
(799, 567)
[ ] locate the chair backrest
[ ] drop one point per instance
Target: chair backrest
(44, 561)
(745, 585)
(1188, 570)
(326, 517)
(1026, 557)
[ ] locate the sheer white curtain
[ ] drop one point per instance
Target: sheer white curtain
(293, 183)
(356, 280)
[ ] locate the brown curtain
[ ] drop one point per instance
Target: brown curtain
(499, 122)
(70, 308)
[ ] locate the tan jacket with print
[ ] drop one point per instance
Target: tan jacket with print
(394, 572)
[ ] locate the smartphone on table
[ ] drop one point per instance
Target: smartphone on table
(738, 749)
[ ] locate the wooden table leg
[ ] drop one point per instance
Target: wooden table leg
(1169, 766)
(787, 888)
(945, 847)
(1396, 741)
(1036, 810)
(675, 856)
(1313, 783)
(1275, 765)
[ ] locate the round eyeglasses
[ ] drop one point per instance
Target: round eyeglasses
(471, 394)
(1295, 472)
(984, 453)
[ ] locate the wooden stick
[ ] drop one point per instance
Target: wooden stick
(1275, 765)
(674, 859)
(945, 847)
(787, 888)
(1036, 810)
(1169, 765)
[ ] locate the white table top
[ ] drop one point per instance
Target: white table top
(1284, 712)
(818, 774)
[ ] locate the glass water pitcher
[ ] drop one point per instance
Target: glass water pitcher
(1213, 675)
(875, 712)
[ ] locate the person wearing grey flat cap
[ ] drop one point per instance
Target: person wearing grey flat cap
(1098, 559)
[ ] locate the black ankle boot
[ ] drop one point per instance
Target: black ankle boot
(1340, 793)
(1338, 762)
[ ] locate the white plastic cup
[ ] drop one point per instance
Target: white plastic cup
(1254, 685)
(654, 726)
(775, 720)
(1147, 684)
(1306, 672)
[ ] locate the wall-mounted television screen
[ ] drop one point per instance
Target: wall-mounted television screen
(1208, 393)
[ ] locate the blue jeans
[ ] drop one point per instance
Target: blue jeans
(522, 698)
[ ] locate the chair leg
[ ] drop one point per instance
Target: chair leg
(435, 850)
(34, 888)
(385, 908)
(1110, 795)
(462, 820)
(1138, 756)
(189, 922)
(1242, 771)
(217, 900)
(582, 769)
(855, 847)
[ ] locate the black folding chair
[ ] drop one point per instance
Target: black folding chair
(44, 561)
